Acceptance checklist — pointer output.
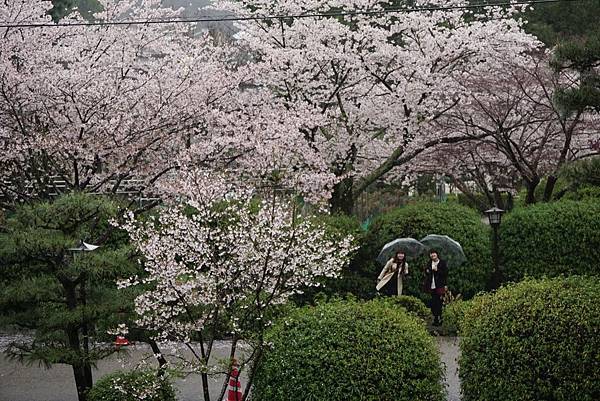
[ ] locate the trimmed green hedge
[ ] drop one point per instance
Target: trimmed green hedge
(412, 305)
(535, 340)
(418, 220)
(453, 315)
(132, 386)
(551, 239)
(584, 193)
(349, 351)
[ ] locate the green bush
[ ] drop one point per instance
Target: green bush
(551, 239)
(351, 282)
(583, 193)
(418, 220)
(132, 386)
(453, 315)
(349, 351)
(412, 305)
(535, 340)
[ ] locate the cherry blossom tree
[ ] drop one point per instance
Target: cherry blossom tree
(526, 136)
(224, 251)
(92, 106)
(377, 78)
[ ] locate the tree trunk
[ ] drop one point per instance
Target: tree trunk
(204, 374)
(252, 373)
(87, 368)
(549, 190)
(162, 362)
(531, 185)
(81, 368)
(510, 202)
(162, 366)
(342, 198)
(80, 382)
(498, 199)
(228, 376)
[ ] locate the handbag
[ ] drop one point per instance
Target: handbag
(440, 291)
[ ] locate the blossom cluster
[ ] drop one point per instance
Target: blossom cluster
(224, 247)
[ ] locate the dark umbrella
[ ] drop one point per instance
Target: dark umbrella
(410, 246)
(448, 249)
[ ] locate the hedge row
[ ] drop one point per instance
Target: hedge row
(551, 239)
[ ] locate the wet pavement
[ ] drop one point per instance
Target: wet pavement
(19, 382)
(449, 355)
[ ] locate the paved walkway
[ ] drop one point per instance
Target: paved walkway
(34, 383)
(449, 354)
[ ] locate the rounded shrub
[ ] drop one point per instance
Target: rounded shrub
(412, 305)
(349, 351)
(535, 340)
(420, 219)
(453, 315)
(551, 239)
(351, 281)
(132, 386)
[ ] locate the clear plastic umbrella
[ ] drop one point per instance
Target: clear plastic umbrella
(410, 246)
(448, 249)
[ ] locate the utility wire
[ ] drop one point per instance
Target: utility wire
(228, 18)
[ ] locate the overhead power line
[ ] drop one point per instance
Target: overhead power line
(232, 18)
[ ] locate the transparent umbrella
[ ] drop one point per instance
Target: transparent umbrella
(410, 246)
(448, 249)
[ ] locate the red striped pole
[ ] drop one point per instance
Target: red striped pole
(234, 393)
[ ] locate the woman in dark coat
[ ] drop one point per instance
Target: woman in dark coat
(436, 283)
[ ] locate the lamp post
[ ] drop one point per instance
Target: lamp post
(495, 217)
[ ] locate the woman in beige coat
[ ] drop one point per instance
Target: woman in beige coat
(390, 278)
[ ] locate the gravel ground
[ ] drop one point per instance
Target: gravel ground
(34, 383)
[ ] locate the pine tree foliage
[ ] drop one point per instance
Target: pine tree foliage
(68, 299)
(582, 56)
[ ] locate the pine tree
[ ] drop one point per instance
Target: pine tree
(583, 56)
(67, 298)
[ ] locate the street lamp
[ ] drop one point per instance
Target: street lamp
(495, 217)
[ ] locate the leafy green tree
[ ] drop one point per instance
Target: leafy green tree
(68, 298)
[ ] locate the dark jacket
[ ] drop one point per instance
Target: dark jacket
(441, 276)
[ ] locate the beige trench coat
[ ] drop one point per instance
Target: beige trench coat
(388, 272)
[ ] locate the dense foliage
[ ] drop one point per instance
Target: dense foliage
(550, 239)
(337, 227)
(349, 351)
(132, 386)
(420, 219)
(582, 56)
(582, 179)
(69, 298)
(453, 315)
(412, 305)
(536, 340)
(556, 22)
